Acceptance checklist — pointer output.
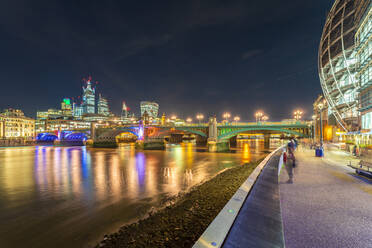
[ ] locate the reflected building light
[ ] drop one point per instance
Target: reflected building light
(10, 178)
(132, 183)
(152, 165)
(57, 177)
(75, 170)
(141, 167)
(246, 155)
(85, 163)
(99, 175)
(65, 170)
(115, 178)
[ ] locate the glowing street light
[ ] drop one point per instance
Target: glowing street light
(173, 117)
(265, 118)
(189, 120)
(321, 107)
(298, 115)
(258, 116)
(314, 124)
(200, 117)
(236, 119)
(226, 116)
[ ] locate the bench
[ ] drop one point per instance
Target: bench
(364, 168)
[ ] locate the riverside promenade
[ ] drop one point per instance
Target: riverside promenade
(328, 205)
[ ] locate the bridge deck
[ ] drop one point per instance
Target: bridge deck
(259, 222)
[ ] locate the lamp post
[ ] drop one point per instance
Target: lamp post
(258, 116)
(236, 119)
(320, 106)
(314, 129)
(199, 117)
(188, 120)
(298, 115)
(265, 118)
(226, 116)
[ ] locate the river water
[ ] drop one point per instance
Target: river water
(72, 196)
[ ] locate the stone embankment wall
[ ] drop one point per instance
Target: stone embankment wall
(16, 142)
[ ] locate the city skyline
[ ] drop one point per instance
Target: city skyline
(233, 50)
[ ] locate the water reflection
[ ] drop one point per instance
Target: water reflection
(54, 196)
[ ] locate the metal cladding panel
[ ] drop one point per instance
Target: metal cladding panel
(336, 61)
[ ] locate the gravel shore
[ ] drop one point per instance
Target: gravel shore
(181, 223)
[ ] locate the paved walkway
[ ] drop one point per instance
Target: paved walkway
(328, 205)
(259, 222)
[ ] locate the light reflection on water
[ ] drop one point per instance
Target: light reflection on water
(58, 196)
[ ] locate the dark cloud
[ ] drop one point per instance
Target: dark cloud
(251, 53)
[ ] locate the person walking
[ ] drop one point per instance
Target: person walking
(290, 160)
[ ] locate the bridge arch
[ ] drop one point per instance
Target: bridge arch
(111, 134)
(281, 130)
(191, 130)
(46, 137)
(75, 137)
(170, 130)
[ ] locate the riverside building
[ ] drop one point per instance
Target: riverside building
(89, 98)
(337, 61)
(103, 107)
(151, 108)
(345, 60)
(363, 49)
(14, 124)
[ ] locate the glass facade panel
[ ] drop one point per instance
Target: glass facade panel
(337, 62)
(367, 121)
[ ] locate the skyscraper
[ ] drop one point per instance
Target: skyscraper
(103, 107)
(124, 111)
(151, 108)
(77, 111)
(89, 98)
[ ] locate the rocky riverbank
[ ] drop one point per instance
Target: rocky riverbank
(181, 223)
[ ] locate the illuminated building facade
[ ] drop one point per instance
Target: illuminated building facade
(324, 124)
(62, 125)
(124, 111)
(14, 124)
(363, 47)
(151, 108)
(50, 114)
(66, 107)
(103, 107)
(337, 63)
(77, 111)
(89, 98)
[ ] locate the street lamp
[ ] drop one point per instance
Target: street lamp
(314, 130)
(200, 117)
(298, 115)
(258, 116)
(321, 106)
(226, 116)
(189, 120)
(265, 118)
(173, 117)
(236, 119)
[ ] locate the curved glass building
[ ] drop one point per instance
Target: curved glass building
(337, 63)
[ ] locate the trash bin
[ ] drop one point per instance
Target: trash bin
(319, 152)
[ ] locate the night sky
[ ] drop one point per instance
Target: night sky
(189, 56)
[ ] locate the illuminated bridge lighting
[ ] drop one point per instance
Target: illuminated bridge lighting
(46, 137)
(76, 137)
